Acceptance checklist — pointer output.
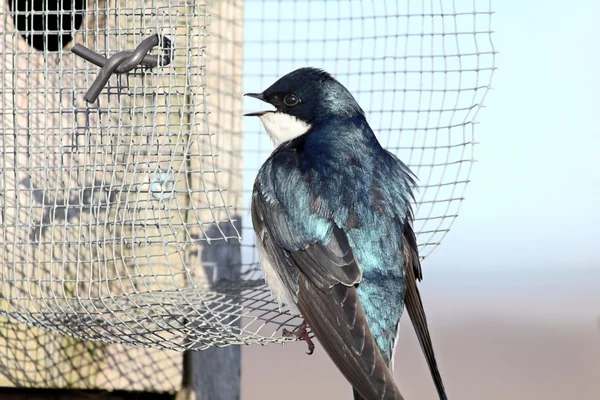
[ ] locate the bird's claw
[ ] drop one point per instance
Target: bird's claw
(302, 333)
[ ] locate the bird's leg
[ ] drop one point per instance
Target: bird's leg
(301, 333)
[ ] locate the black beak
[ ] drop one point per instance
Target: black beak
(256, 96)
(256, 113)
(259, 96)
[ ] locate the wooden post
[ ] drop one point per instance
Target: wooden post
(214, 374)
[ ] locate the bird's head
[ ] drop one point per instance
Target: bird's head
(303, 98)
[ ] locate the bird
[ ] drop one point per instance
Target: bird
(331, 211)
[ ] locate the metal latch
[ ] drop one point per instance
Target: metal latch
(124, 61)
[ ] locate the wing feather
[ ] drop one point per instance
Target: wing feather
(324, 275)
(338, 321)
(330, 264)
(415, 309)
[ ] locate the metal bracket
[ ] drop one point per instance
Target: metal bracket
(124, 61)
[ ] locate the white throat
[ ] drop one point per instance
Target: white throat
(283, 127)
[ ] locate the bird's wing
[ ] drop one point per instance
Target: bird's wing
(327, 296)
(338, 321)
(414, 306)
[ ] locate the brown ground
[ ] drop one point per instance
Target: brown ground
(539, 341)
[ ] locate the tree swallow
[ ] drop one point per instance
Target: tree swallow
(333, 220)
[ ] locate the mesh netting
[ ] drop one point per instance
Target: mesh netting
(122, 218)
(32, 357)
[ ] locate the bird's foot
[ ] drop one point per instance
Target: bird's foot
(301, 333)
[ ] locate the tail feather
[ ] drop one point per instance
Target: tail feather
(414, 306)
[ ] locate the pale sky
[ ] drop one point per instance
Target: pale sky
(533, 198)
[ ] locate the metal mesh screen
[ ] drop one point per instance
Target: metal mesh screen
(121, 218)
(32, 357)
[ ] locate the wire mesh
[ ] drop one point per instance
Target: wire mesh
(35, 358)
(126, 219)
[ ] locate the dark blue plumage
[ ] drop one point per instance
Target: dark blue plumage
(331, 210)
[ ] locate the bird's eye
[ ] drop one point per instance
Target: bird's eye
(291, 100)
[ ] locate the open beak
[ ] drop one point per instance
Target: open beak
(256, 96)
(256, 113)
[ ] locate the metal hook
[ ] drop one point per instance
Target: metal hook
(123, 61)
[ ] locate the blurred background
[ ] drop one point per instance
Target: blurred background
(513, 292)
